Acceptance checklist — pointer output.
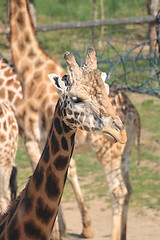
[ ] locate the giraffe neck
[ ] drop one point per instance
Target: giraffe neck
(28, 58)
(22, 33)
(34, 212)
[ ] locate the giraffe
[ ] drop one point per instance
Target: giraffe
(10, 95)
(114, 159)
(35, 111)
(84, 104)
(8, 149)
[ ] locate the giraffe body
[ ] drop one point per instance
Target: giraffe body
(10, 96)
(8, 149)
(33, 214)
(114, 159)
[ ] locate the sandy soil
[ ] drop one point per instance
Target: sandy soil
(140, 227)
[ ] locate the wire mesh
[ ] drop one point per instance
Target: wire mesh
(130, 63)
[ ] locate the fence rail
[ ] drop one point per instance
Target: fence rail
(88, 24)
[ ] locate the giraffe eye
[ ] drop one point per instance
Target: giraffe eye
(76, 99)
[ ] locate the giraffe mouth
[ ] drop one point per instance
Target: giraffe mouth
(110, 137)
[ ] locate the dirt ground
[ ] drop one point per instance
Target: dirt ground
(140, 226)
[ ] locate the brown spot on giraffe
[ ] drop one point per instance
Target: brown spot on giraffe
(3, 138)
(5, 126)
(10, 119)
(49, 111)
(2, 93)
(20, 21)
(31, 89)
(31, 53)
(38, 63)
(27, 37)
(10, 95)
(1, 81)
(10, 82)
(8, 73)
(25, 67)
(40, 92)
(33, 108)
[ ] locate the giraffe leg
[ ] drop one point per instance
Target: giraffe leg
(8, 150)
(5, 174)
(118, 193)
(131, 135)
(125, 172)
(55, 233)
(13, 183)
(109, 157)
(86, 220)
(61, 220)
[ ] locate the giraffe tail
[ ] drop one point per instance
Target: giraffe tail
(138, 124)
(13, 183)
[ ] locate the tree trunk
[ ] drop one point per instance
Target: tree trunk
(152, 7)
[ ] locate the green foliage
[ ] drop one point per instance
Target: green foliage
(71, 10)
(65, 11)
(23, 165)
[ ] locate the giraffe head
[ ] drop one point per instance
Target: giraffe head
(84, 99)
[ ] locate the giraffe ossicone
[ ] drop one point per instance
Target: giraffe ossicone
(92, 91)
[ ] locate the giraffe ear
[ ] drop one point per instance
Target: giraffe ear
(58, 83)
(107, 88)
(103, 76)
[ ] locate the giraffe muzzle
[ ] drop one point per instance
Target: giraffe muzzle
(115, 135)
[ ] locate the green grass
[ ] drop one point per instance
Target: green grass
(150, 112)
(23, 165)
(72, 10)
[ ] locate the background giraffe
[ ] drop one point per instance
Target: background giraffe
(8, 149)
(33, 214)
(10, 95)
(34, 114)
(114, 159)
